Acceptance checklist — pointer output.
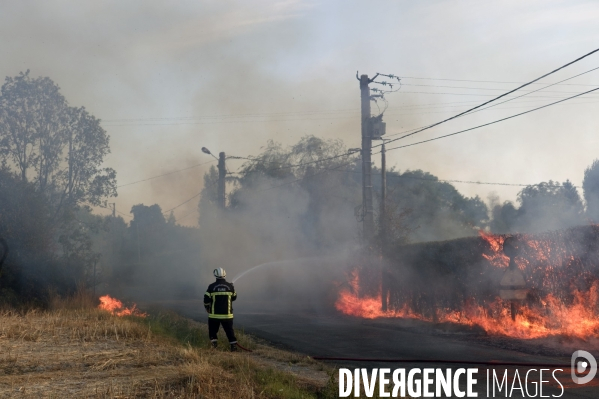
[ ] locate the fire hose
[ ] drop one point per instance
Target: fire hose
(245, 349)
(484, 363)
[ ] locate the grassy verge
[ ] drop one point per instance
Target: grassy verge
(259, 369)
(73, 350)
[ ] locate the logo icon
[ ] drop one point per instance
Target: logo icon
(582, 365)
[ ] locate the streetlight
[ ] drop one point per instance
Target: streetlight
(207, 151)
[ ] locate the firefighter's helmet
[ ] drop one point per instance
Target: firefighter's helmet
(220, 273)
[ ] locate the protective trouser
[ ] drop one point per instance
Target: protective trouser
(214, 325)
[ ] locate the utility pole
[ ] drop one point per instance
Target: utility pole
(383, 193)
(368, 222)
(222, 172)
(383, 227)
(113, 209)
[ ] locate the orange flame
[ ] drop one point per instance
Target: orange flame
(576, 317)
(116, 307)
(556, 318)
(497, 257)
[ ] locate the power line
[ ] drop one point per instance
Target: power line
(467, 80)
(486, 124)
(336, 169)
(124, 214)
(476, 182)
(424, 141)
(436, 179)
(305, 177)
(542, 88)
(189, 199)
(187, 215)
(501, 96)
(165, 174)
(182, 203)
(296, 165)
(490, 88)
(190, 123)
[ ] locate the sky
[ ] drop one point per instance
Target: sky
(168, 78)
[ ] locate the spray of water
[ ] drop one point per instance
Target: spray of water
(288, 262)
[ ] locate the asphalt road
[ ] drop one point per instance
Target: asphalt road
(340, 336)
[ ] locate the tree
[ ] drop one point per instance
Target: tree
(32, 265)
(549, 206)
(60, 149)
(437, 210)
(148, 228)
(504, 218)
(590, 187)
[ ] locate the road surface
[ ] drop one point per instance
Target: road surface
(332, 335)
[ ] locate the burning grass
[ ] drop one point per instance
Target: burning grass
(458, 282)
(77, 351)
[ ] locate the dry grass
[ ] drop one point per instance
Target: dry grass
(72, 351)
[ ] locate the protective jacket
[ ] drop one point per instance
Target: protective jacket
(218, 299)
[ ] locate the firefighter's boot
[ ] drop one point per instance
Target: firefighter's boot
(234, 347)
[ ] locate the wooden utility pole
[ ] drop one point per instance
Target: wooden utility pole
(383, 228)
(368, 222)
(383, 193)
(222, 172)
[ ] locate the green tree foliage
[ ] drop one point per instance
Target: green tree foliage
(60, 149)
(590, 186)
(56, 151)
(437, 211)
(306, 186)
(549, 206)
(504, 218)
(286, 202)
(305, 199)
(148, 225)
(150, 252)
(32, 267)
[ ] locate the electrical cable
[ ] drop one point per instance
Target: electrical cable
(299, 164)
(165, 174)
(476, 81)
(124, 214)
(483, 125)
(298, 119)
(302, 178)
(187, 215)
(393, 176)
(534, 91)
(189, 199)
(424, 113)
(501, 96)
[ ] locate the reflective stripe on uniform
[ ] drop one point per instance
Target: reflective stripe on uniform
(212, 295)
(220, 316)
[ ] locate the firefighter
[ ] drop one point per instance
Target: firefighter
(218, 301)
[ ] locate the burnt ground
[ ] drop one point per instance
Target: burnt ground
(332, 335)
